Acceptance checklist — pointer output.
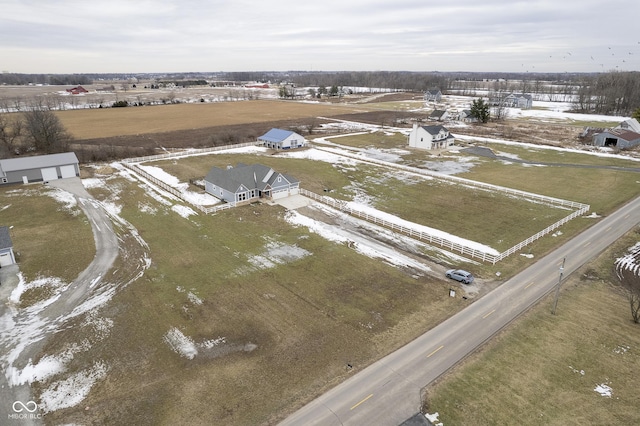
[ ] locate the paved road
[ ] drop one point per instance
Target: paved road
(388, 391)
(24, 334)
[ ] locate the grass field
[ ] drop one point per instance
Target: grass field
(271, 338)
(428, 202)
(544, 368)
(110, 122)
(306, 321)
(38, 222)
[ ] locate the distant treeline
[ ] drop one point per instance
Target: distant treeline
(184, 83)
(54, 79)
(612, 92)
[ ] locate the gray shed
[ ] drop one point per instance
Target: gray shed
(617, 138)
(39, 168)
(6, 248)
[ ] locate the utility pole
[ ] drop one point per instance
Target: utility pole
(555, 301)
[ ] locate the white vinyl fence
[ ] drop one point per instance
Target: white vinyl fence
(132, 163)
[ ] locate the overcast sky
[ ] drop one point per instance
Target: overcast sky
(135, 36)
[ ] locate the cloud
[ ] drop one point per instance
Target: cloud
(171, 35)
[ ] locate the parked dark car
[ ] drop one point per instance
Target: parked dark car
(460, 275)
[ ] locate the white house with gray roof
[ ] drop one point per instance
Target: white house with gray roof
(281, 139)
(433, 95)
(512, 100)
(247, 183)
(430, 137)
(39, 168)
(6, 248)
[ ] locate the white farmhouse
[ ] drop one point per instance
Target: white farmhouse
(430, 137)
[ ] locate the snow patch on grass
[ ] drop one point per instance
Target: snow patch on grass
(604, 390)
(183, 211)
(67, 199)
(194, 299)
(187, 348)
(55, 284)
(621, 349)
(433, 419)
(275, 253)
(147, 208)
(93, 183)
(71, 391)
(180, 343)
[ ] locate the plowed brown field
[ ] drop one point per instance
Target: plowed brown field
(110, 122)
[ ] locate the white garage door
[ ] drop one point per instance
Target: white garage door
(49, 174)
(68, 171)
(5, 259)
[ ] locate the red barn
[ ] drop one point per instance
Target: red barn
(77, 90)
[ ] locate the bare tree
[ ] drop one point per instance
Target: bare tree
(17, 103)
(631, 283)
(499, 111)
(5, 104)
(629, 280)
(44, 129)
(10, 134)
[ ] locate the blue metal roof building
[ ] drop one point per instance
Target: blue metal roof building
(281, 139)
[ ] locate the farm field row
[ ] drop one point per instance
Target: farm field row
(111, 122)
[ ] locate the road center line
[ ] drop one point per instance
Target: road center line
(529, 285)
(361, 402)
(441, 346)
(588, 242)
(486, 315)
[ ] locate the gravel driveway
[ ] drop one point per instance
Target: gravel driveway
(23, 334)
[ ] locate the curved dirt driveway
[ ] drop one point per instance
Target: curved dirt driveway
(24, 334)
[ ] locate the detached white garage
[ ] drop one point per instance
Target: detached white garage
(39, 168)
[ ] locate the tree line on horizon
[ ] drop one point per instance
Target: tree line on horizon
(609, 93)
